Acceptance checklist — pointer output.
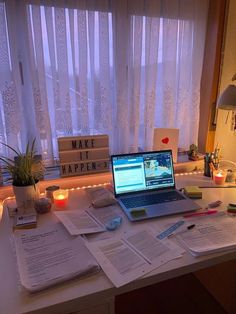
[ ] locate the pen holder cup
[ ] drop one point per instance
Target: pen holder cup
(219, 176)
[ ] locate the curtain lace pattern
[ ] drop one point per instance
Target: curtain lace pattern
(10, 104)
(120, 68)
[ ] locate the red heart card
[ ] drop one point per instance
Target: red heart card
(165, 140)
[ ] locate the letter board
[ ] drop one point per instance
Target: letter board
(83, 154)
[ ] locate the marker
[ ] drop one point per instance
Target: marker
(209, 212)
(191, 227)
(188, 228)
(214, 204)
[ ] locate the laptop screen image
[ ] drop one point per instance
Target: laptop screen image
(142, 172)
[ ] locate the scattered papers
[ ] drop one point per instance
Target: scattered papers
(49, 255)
(79, 222)
(210, 234)
(89, 221)
(131, 256)
(105, 214)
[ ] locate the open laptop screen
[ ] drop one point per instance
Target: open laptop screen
(142, 171)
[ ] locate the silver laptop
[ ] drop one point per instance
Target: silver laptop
(144, 185)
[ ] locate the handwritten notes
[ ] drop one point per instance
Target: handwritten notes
(83, 154)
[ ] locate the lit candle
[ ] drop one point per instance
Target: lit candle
(1, 209)
(60, 199)
(219, 177)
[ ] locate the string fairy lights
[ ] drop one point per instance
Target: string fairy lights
(91, 186)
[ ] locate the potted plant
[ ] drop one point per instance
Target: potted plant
(25, 170)
(193, 152)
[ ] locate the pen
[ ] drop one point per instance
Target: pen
(188, 228)
(209, 212)
(215, 187)
(191, 227)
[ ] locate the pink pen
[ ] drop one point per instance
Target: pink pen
(209, 212)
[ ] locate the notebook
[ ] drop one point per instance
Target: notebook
(144, 185)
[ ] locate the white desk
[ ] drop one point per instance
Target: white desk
(95, 294)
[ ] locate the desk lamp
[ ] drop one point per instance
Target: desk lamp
(227, 100)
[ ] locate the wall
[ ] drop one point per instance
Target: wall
(226, 138)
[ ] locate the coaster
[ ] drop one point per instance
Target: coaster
(25, 221)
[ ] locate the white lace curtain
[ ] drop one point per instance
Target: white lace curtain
(100, 67)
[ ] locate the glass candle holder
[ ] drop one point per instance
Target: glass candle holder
(219, 176)
(50, 190)
(60, 198)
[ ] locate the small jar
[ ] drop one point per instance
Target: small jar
(230, 176)
(43, 205)
(50, 190)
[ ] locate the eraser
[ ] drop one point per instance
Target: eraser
(215, 204)
(114, 223)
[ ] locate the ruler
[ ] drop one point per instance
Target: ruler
(170, 230)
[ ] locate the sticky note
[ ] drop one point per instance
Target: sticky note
(192, 191)
(137, 212)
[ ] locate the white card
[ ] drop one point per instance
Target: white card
(166, 139)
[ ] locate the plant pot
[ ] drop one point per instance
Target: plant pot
(25, 196)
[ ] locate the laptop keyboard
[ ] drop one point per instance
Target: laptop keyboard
(150, 199)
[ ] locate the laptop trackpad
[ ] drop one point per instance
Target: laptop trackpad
(164, 209)
(181, 206)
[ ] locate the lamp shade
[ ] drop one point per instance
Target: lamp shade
(227, 99)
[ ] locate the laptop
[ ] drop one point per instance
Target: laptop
(144, 185)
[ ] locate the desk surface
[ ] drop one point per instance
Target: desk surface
(78, 294)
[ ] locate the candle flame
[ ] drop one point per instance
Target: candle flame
(60, 197)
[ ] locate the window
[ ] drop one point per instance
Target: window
(119, 68)
(73, 73)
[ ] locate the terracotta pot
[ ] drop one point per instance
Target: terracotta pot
(25, 196)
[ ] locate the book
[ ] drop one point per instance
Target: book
(25, 221)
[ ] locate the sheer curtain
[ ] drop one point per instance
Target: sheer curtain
(11, 118)
(166, 54)
(106, 67)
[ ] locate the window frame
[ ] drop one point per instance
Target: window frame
(211, 72)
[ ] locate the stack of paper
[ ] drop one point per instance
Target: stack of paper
(133, 255)
(210, 234)
(193, 191)
(49, 255)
